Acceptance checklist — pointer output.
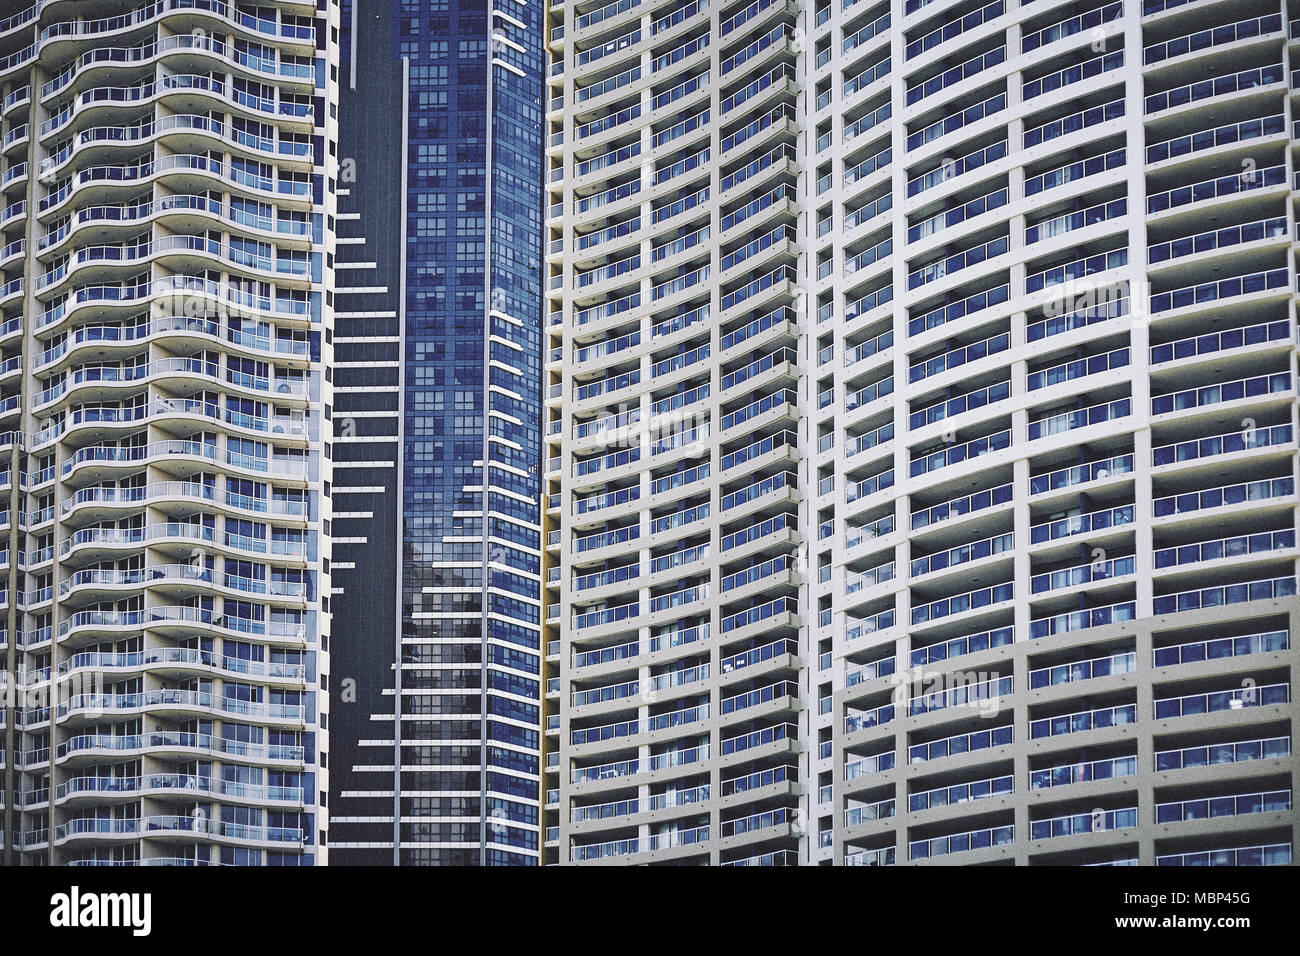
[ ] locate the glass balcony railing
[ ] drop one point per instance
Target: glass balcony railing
(961, 793)
(1217, 239)
(1221, 392)
(958, 310)
(868, 394)
(1208, 39)
(1084, 720)
(967, 504)
(1075, 73)
(959, 646)
(1098, 821)
(974, 551)
(957, 262)
(1221, 648)
(966, 117)
(869, 813)
(961, 603)
(1224, 700)
(757, 822)
(960, 744)
(1113, 305)
(955, 454)
(758, 489)
(1111, 769)
(1273, 801)
(1093, 365)
(1081, 620)
(885, 856)
(1080, 474)
(1209, 189)
(1240, 546)
(865, 720)
(1072, 172)
(979, 398)
(1273, 854)
(743, 17)
(1215, 138)
(1214, 755)
(608, 11)
(862, 673)
(1084, 119)
(1218, 86)
(757, 780)
(949, 170)
(1076, 269)
(977, 694)
(871, 625)
(961, 842)
(1223, 496)
(777, 35)
(1082, 574)
(953, 28)
(763, 612)
(866, 167)
(1221, 341)
(1080, 418)
(606, 655)
(960, 73)
(759, 738)
(880, 763)
(780, 153)
(1089, 21)
(1083, 670)
(1081, 523)
(1081, 219)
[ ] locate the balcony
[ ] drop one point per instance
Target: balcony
(1275, 854)
(1085, 772)
(1220, 701)
(1221, 648)
(1224, 496)
(960, 843)
(1082, 620)
(1075, 73)
(1216, 138)
(1273, 801)
(1235, 547)
(1218, 86)
(960, 646)
(1092, 20)
(953, 28)
(1073, 123)
(1214, 755)
(1221, 392)
(1083, 670)
(968, 117)
(1099, 821)
(1101, 718)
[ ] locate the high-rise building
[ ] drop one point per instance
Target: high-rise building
(165, 221)
(921, 432)
(436, 530)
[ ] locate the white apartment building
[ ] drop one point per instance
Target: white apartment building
(166, 174)
(921, 469)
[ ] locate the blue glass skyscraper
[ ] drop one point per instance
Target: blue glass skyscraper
(437, 536)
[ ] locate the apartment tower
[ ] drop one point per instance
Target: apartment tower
(165, 221)
(436, 531)
(921, 420)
